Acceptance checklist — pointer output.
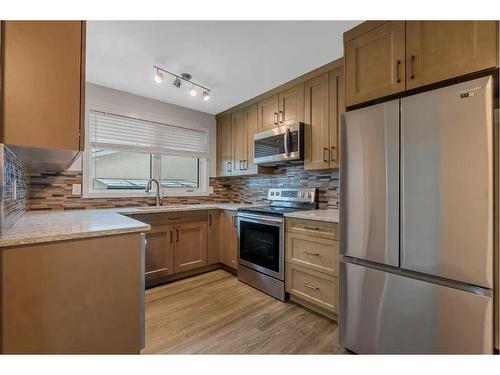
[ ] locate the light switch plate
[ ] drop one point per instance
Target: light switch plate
(76, 189)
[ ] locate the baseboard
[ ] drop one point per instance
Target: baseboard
(317, 309)
(183, 275)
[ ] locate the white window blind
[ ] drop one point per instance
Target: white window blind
(109, 131)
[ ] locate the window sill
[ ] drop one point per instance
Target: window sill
(142, 194)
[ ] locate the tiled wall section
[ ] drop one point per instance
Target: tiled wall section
(53, 192)
(14, 177)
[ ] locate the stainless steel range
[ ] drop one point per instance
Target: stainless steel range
(261, 238)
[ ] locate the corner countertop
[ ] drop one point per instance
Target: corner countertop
(49, 226)
(330, 215)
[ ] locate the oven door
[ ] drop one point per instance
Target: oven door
(260, 245)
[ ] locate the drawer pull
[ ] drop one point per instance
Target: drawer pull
(309, 253)
(173, 218)
(311, 286)
(311, 228)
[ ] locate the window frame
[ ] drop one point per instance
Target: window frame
(155, 167)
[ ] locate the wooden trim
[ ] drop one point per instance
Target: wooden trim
(361, 29)
(2, 25)
(82, 84)
(294, 82)
(184, 275)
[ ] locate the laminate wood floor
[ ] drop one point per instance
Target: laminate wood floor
(214, 313)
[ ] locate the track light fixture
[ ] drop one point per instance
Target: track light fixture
(178, 81)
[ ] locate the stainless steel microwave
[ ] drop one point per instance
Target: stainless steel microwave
(281, 145)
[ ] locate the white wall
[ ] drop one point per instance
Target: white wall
(142, 104)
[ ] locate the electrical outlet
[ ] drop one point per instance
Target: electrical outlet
(76, 189)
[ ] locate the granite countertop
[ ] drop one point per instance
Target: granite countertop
(48, 226)
(330, 215)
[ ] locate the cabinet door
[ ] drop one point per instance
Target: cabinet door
(229, 239)
(224, 146)
(337, 107)
(43, 79)
(374, 63)
(316, 117)
(190, 248)
(213, 237)
(291, 105)
(268, 113)
(251, 129)
(438, 50)
(159, 253)
(239, 142)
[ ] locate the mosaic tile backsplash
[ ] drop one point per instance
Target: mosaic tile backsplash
(53, 192)
(14, 188)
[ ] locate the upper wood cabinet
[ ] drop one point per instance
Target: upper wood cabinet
(291, 105)
(224, 146)
(384, 58)
(438, 50)
(251, 114)
(159, 253)
(283, 108)
(43, 84)
(190, 248)
(374, 63)
(316, 118)
(239, 142)
(268, 113)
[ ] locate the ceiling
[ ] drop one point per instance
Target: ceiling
(238, 60)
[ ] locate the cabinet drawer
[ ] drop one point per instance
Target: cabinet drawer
(315, 287)
(316, 253)
(162, 218)
(314, 228)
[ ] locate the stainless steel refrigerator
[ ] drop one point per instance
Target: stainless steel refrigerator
(417, 223)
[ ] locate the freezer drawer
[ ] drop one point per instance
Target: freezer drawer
(447, 182)
(369, 178)
(382, 312)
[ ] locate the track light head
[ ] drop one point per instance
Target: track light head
(158, 76)
(206, 95)
(193, 91)
(177, 82)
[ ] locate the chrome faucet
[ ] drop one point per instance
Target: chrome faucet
(148, 189)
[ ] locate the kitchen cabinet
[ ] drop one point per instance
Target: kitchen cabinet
(159, 260)
(239, 142)
(268, 113)
(312, 264)
(324, 103)
(190, 246)
(43, 67)
(291, 105)
(229, 239)
(283, 108)
(384, 58)
(374, 63)
(213, 237)
(438, 50)
(224, 146)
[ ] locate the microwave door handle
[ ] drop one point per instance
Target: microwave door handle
(287, 142)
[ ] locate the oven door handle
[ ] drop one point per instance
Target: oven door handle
(259, 220)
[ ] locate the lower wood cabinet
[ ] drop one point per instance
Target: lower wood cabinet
(190, 246)
(159, 252)
(229, 239)
(311, 264)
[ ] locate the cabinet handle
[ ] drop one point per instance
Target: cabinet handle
(241, 161)
(309, 253)
(245, 164)
(171, 236)
(311, 228)
(177, 234)
(275, 118)
(311, 286)
(398, 78)
(325, 151)
(282, 113)
(228, 166)
(235, 223)
(334, 154)
(210, 219)
(412, 58)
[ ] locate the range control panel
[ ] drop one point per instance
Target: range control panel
(293, 195)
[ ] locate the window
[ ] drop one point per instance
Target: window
(123, 153)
